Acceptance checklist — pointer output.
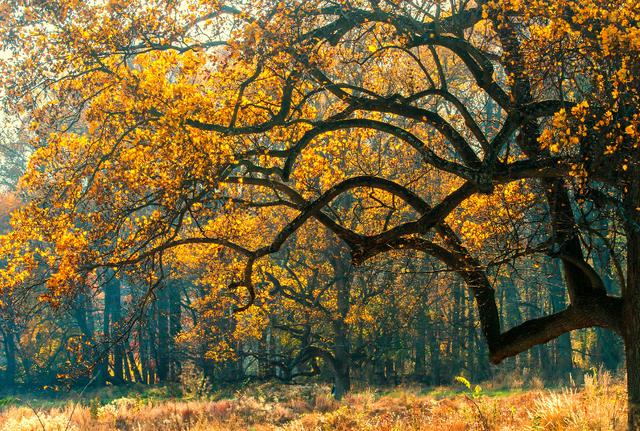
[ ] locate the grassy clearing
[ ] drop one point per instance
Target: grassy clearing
(598, 405)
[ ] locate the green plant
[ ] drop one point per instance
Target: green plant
(7, 401)
(94, 405)
(473, 396)
(475, 393)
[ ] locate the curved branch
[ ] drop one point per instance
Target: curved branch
(391, 106)
(469, 121)
(350, 18)
(168, 245)
(477, 63)
(424, 223)
(276, 120)
(604, 313)
(427, 154)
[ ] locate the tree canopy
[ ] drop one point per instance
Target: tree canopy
(207, 136)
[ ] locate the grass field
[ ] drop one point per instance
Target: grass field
(597, 405)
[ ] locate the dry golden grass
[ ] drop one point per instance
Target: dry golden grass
(599, 405)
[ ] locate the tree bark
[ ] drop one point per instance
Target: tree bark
(134, 366)
(341, 351)
(127, 368)
(118, 343)
(152, 345)
(175, 326)
(342, 377)
(631, 317)
(163, 334)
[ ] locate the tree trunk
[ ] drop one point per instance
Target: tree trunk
(434, 350)
(143, 349)
(378, 359)
(163, 334)
(456, 329)
(134, 366)
(342, 378)
(469, 347)
(10, 353)
(127, 368)
(116, 331)
(631, 316)
(483, 367)
(175, 326)
(514, 315)
(152, 345)
(342, 360)
(111, 319)
(83, 313)
(106, 328)
(341, 353)
(420, 346)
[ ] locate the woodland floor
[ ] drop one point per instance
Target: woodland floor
(599, 404)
